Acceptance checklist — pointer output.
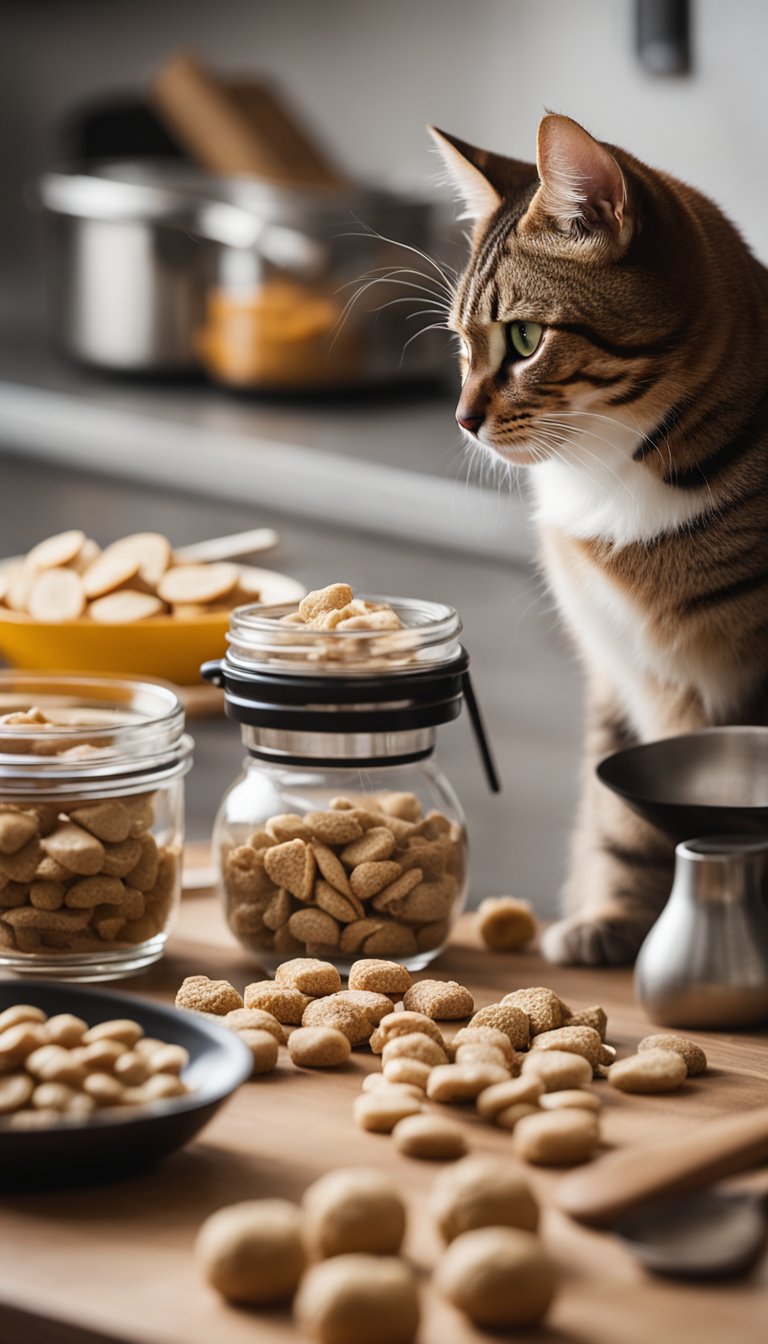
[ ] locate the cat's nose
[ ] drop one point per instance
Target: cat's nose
(470, 421)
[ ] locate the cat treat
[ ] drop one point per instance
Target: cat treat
(133, 579)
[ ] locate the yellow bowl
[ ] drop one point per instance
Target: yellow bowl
(169, 647)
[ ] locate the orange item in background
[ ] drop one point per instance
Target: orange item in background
(281, 334)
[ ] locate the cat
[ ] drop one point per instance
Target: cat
(614, 334)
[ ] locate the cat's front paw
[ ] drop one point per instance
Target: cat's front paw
(609, 940)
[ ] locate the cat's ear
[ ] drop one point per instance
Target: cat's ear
(581, 183)
(481, 178)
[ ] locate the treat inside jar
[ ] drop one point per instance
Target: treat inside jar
(78, 874)
(369, 876)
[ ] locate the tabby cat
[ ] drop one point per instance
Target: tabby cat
(614, 331)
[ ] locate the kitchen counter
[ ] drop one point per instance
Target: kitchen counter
(115, 1264)
(392, 463)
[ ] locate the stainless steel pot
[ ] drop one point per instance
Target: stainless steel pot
(136, 249)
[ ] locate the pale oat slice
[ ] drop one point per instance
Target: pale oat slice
(55, 552)
(199, 583)
(570, 1098)
(151, 549)
(110, 572)
(89, 551)
(18, 588)
(558, 1070)
(56, 595)
(124, 607)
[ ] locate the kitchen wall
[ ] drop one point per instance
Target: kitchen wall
(372, 74)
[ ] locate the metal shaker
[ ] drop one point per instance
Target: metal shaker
(705, 961)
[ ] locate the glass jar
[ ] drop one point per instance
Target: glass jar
(342, 838)
(91, 823)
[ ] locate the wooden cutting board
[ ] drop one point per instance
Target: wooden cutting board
(116, 1263)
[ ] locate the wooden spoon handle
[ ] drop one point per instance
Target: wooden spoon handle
(604, 1191)
(227, 548)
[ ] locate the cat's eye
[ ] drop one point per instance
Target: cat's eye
(523, 338)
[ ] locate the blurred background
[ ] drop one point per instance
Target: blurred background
(190, 194)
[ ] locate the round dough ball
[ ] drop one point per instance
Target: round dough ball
(482, 1192)
(557, 1138)
(429, 1137)
(356, 1298)
(498, 1276)
(253, 1252)
(354, 1209)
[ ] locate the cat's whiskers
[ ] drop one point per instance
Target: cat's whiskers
(581, 447)
(448, 276)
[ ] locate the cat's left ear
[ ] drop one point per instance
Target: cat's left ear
(481, 178)
(581, 184)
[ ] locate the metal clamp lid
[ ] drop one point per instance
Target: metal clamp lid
(419, 699)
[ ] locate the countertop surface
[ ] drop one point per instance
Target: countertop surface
(391, 462)
(115, 1264)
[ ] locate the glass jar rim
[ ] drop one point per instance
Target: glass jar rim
(140, 735)
(429, 638)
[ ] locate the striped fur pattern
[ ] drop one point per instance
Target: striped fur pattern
(643, 413)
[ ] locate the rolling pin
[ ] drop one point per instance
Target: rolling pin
(239, 128)
(603, 1192)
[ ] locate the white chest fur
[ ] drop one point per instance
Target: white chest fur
(595, 489)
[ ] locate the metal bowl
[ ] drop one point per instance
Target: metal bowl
(711, 782)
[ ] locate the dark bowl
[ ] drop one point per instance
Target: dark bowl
(712, 782)
(114, 1143)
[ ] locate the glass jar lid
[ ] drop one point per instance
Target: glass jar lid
(60, 730)
(293, 678)
(260, 639)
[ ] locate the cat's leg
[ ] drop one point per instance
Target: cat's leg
(620, 870)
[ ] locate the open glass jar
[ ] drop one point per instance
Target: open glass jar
(91, 823)
(342, 838)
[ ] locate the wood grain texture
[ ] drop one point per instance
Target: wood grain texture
(116, 1263)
